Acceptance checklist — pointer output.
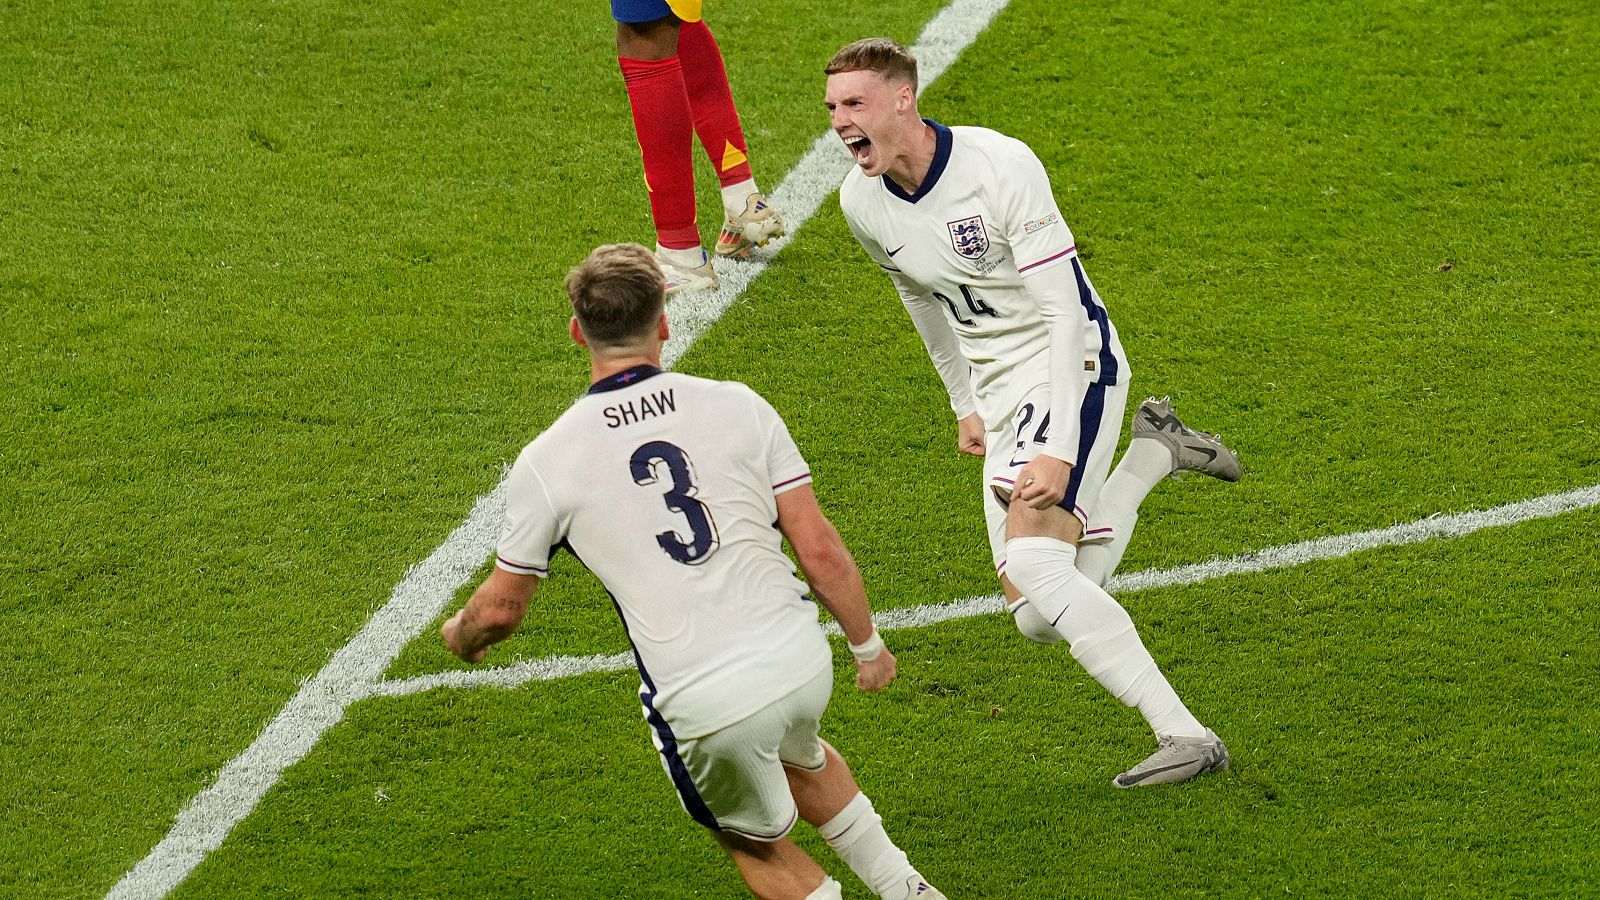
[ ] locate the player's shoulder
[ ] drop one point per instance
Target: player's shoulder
(737, 401)
(734, 392)
(994, 145)
(548, 443)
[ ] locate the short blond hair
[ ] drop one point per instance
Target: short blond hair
(880, 55)
(617, 293)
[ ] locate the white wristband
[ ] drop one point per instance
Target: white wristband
(868, 650)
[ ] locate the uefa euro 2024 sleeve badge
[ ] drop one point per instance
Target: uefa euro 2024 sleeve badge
(969, 238)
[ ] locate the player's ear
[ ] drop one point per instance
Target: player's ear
(576, 330)
(662, 331)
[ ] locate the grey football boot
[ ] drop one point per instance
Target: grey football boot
(1192, 451)
(1177, 759)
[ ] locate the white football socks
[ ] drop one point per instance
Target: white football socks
(827, 890)
(1098, 630)
(1143, 465)
(856, 834)
(1033, 626)
(734, 196)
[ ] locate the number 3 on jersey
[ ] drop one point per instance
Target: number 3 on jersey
(680, 499)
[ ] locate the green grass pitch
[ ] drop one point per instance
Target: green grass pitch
(280, 295)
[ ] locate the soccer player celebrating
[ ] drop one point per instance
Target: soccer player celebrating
(964, 223)
(678, 492)
(677, 88)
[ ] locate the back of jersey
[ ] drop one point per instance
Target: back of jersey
(665, 486)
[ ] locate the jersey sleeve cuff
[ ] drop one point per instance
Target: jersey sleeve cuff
(1040, 265)
(516, 568)
(790, 484)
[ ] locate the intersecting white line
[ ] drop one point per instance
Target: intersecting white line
(553, 667)
(355, 671)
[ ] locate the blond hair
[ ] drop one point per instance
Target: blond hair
(617, 293)
(880, 55)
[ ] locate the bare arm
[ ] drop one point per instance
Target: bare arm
(491, 616)
(836, 581)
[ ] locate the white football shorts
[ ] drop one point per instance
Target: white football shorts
(736, 773)
(1017, 441)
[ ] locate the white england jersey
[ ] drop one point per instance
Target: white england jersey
(958, 250)
(665, 486)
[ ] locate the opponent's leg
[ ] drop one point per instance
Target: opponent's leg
(716, 119)
(830, 799)
(653, 73)
(750, 221)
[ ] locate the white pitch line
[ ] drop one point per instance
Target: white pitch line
(551, 668)
(319, 705)
(355, 670)
(1437, 526)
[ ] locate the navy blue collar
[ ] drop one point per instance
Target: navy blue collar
(941, 155)
(624, 379)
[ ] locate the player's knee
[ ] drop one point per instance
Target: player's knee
(1033, 626)
(1045, 570)
(1036, 565)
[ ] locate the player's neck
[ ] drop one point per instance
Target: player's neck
(603, 367)
(911, 168)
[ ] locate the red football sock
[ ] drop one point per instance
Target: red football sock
(662, 122)
(716, 120)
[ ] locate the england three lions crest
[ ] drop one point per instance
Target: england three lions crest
(969, 238)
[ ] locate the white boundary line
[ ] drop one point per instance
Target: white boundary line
(356, 669)
(554, 667)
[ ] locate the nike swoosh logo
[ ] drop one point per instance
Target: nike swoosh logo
(1153, 772)
(896, 250)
